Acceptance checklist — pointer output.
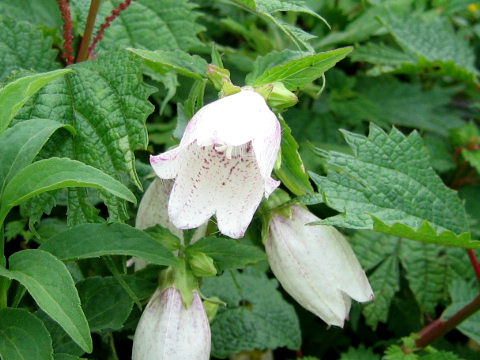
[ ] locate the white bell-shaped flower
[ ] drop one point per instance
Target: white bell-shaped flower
(223, 164)
(168, 330)
(316, 266)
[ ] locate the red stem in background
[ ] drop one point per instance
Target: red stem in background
(440, 327)
(67, 31)
(474, 262)
(108, 20)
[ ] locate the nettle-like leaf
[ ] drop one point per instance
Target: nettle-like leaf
(430, 44)
(428, 268)
(24, 47)
(23, 336)
(106, 102)
(388, 185)
(267, 9)
(388, 101)
(256, 317)
(146, 24)
(39, 13)
(360, 353)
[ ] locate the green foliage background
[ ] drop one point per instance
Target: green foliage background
(385, 146)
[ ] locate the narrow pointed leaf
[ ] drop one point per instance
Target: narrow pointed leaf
(93, 240)
(23, 336)
(49, 282)
(20, 144)
(16, 93)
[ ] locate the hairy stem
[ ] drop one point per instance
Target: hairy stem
(67, 31)
(87, 34)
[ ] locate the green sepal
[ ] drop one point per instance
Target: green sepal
(201, 264)
(278, 97)
(182, 278)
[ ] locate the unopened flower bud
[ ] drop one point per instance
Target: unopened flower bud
(277, 95)
(316, 265)
(168, 330)
(201, 264)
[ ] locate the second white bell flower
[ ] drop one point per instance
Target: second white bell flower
(223, 163)
(316, 266)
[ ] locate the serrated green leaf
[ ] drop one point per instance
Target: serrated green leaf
(94, 240)
(51, 285)
(441, 153)
(360, 353)
(386, 100)
(146, 25)
(389, 186)
(255, 316)
(463, 293)
(44, 13)
(227, 254)
(372, 248)
(23, 336)
(381, 54)
(24, 47)
(268, 8)
(20, 144)
(441, 355)
(56, 173)
(292, 172)
(385, 283)
(106, 101)
(395, 352)
(435, 45)
(295, 74)
(179, 61)
(427, 272)
(105, 303)
(16, 93)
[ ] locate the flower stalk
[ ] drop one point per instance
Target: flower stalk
(87, 34)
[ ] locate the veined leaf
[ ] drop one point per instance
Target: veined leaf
(434, 44)
(146, 25)
(179, 61)
(389, 186)
(57, 173)
(21, 143)
(35, 52)
(297, 73)
(227, 254)
(16, 93)
(48, 281)
(106, 101)
(94, 240)
(23, 336)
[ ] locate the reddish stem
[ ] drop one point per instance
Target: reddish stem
(108, 20)
(67, 31)
(474, 262)
(440, 327)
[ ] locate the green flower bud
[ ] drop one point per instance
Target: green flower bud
(277, 95)
(201, 264)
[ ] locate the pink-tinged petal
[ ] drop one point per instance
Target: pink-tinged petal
(233, 120)
(266, 147)
(316, 266)
(169, 331)
(270, 186)
(166, 164)
(209, 182)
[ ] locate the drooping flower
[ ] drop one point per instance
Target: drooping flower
(153, 211)
(316, 266)
(168, 330)
(223, 164)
